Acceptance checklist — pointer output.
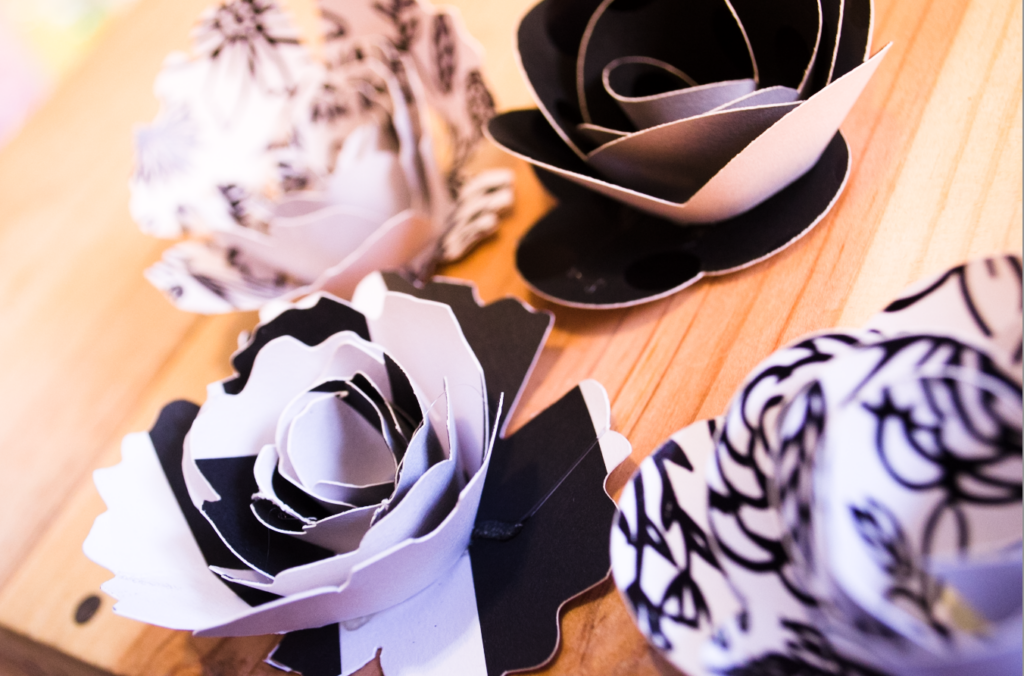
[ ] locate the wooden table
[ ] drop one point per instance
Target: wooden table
(89, 351)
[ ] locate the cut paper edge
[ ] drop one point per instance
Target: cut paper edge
(390, 330)
(564, 212)
(582, 66)
(327, 605)
(569, 503)
(136, 491)
(376, 286)
(448, 607)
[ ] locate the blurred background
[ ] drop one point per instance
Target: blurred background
(41, 42)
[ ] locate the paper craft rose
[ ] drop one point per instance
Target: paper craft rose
(692, 113)
(664, 100)
(858, 508)
(292, 174)
(348, 487)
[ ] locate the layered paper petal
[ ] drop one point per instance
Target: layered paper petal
(698, 114)
(350, 480)
(292, 175)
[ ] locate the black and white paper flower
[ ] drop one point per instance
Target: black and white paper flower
(349, 487)
(704, 132)
(293, 175)
(858, 508)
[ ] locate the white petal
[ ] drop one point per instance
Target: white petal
(426, 339)
(161, 575)
(374, 585)
(242, 424)
(393, 245)
(332, 446)
(435, 633)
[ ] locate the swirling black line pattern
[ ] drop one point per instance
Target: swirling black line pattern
(953, 416)
(967, 476)
(911, 584)
(405, 23)
(745, 438)
(803, 426)
(445, 52)
(683, 601)
(334, 26)
(807, 653)
(479, 110)
(959, 276)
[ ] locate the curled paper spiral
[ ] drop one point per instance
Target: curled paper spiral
(858, 508)
(721, 116)
(293, 174)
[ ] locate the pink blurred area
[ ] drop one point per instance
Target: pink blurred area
(24, 83)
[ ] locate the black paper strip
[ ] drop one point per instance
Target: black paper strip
(312, 327)
(522, 581)
(259, 547)
(311, 652)
(168, 437)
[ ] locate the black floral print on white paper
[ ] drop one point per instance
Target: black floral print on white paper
(241, 28)
(864, 495)
(683, 601)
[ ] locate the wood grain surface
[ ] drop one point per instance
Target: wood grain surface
(89, 351)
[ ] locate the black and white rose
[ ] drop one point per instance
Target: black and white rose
(349, 487)
(693, 111)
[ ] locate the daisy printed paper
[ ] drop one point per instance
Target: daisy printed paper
(289, 174)
(351, 487)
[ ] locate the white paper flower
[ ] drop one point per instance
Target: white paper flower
(293, 175)
(858, 508)
(339, 475)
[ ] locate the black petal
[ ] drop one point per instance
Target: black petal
(259, 547)
(311, 652)
(168, 436)
(591, 250)
(552, 469)
(312, 327)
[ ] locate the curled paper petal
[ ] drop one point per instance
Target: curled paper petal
(858, 508)
(292, 175)
(346, 484)
(694, 114)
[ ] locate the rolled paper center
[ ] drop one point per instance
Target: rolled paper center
(651, 92)
(338, 455)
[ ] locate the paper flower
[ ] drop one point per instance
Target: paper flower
(292, 174)
(858, 508)
(720, 112)
(332, 488)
